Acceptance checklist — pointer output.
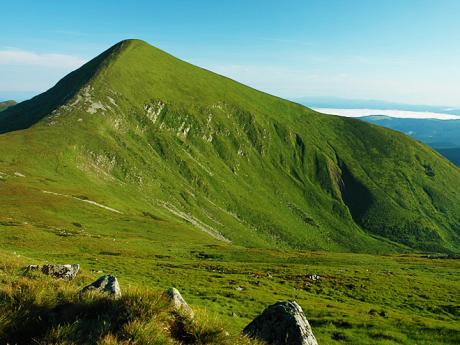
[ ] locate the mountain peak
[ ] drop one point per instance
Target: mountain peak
(29, 112)
(137, 70)
(123, 46)
(238, 164)
(133, 41)
(129, 45)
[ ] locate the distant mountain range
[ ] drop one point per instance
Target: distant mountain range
(139, 138)
(436, 133)
(6, 104)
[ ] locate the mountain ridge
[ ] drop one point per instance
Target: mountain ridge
(143, 132)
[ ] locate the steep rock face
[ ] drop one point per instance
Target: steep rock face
(282, 323)
(238, 164)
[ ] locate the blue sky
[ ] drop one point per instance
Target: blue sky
(399, 50)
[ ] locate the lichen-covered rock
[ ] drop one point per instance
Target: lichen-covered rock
(107, 284)
(31, 268)
(282, 323)
(67, 272)
(178, 302)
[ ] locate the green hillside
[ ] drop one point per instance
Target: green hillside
(442, 135)
(137, 139)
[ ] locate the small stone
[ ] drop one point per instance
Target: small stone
(178, 302)
(282, 323)
(314, 277)
(107, 284)
(67, 272)
(31, 268)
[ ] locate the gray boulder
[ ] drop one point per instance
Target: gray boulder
(178, 302)
(67, 272)
(31, 268)
(282, 323)
(107, 284)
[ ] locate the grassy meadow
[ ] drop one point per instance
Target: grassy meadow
(358, 299)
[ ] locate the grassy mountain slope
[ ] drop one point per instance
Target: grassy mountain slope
(140, 138)
(442, 135)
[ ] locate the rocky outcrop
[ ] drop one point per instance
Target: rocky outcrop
(282, 323)
(178, 302)
(106, 284)
(66, 272)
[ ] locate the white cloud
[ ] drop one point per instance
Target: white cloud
(29, 58)
(403, 114)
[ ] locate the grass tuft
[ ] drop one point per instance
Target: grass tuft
(38, 309)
